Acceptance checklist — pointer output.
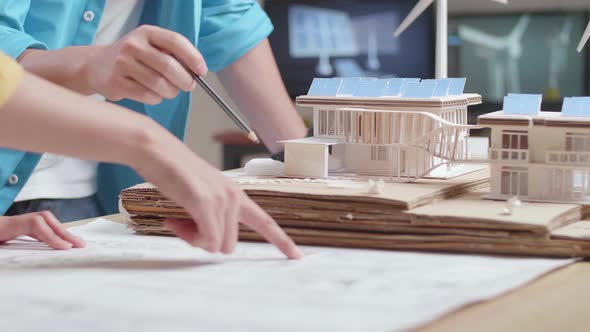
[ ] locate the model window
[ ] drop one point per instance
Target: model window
(515, 140)
(515, 181)
(577, 142)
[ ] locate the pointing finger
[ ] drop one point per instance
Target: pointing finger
(254, 217)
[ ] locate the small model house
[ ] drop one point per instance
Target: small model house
(540, 156)
(397, 128)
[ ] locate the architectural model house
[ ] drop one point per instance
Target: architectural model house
(540, 156)
(402, 129)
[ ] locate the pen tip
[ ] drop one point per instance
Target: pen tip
(252, 136)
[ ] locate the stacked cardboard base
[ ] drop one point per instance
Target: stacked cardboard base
(430, 215)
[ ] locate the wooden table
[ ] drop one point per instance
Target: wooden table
(558, 301)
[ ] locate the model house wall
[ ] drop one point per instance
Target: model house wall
(543, 156)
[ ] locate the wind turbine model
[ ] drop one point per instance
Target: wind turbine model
(559, 46)
(501, 73)
(442, 22)
(584, 38)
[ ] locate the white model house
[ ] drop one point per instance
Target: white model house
(540, 156)
(396, 128)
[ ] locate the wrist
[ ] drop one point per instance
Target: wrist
(69, 67)
(142, 143)
(85, 69)
(151, 149)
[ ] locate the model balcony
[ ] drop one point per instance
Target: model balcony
(568, 157)
(510, 155)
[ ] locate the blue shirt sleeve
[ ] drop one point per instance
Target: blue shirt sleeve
(229, 29)
(13, 39)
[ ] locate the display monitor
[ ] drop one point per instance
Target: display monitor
(347, 38)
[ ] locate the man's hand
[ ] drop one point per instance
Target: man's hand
(42, 226)
(143, 66)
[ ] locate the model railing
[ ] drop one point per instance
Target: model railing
(512, 155)
(435, 141)
(369, 126)
(568, 157)
(440, 143)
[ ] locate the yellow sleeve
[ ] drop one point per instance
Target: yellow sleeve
(11, 74)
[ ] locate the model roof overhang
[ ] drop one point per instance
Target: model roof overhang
(390, 102)
(547, 119)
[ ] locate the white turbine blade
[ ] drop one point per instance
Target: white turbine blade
(584, 38)
(520, 27)
(481, 38)
(501, 1)
(412, 16)
(566, 31)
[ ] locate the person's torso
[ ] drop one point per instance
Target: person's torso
(223, 30)
(61, 177)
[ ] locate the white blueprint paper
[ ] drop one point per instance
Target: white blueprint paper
(126, 282)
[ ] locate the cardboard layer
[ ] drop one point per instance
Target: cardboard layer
(447, 215)
(398, 195)
(463, 244)
(576, 231)
(451, 243)
(472, 210)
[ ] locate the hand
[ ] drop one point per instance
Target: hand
(42, 226)
(143, 66)
(214, 202)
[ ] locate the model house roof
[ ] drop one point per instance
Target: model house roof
(369, 87)
(385, 103)
(388, 93)
(523, 110)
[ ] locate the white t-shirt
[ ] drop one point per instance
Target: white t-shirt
(64, 177)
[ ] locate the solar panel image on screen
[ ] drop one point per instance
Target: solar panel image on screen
(348, 38)
(315, 31)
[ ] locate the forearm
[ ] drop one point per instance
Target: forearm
(65, 67)
(43, 117)
(255, 84)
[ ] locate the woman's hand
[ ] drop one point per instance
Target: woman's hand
(143, 66)
(215, 203)
(42, 226)
(55, 120)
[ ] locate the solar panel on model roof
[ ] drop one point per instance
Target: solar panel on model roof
(370, 87)
(522, 104)
(576, 106)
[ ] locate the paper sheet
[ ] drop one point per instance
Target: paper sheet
(125, 282)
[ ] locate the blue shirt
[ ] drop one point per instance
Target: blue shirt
(223, 30)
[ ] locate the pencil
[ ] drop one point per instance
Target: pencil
(226, 108)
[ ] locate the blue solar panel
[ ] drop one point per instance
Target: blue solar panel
(442, 86)
(576, 106)
(349, 86)
(390, 87)
(418, 90)
(522, 104)
(411, 80)
(457, 86)
(324, 87)
(386, 87)
(367, 88)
